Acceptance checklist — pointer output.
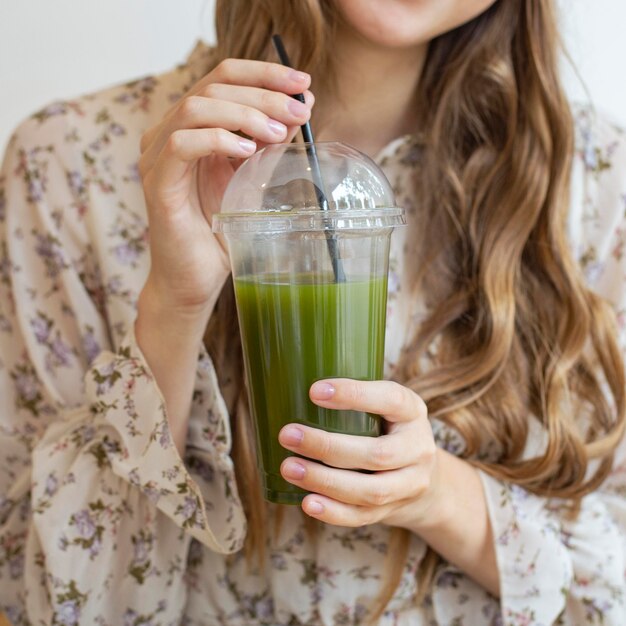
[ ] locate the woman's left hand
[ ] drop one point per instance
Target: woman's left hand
(402, 488)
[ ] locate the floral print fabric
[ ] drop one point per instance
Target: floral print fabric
(102, 522)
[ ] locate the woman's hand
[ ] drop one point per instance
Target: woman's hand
(187, 160)
(414, 484)
(403, 486)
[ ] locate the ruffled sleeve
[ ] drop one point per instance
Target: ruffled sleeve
(556, 567)
(97, 509)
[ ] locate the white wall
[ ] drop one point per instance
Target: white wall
(64, 48)
(595, 40)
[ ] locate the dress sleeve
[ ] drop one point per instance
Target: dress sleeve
(556, 567)
(97, 509)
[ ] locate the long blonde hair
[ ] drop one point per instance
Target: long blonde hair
(519, 335)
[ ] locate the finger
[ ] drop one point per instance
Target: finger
(386, 452)
(274, 104)
(394, 402)
(341, 514)
(248, 73)
(291, 133)
(353, 487)
(232, 107)
(186, 146)
(243, 73)
(198, 113)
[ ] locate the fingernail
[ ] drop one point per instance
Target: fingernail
(297, 108)
(291, 435)
(293, 469)
(247, 146)
(314, 507)
(277, 127)
(322, 391)
(299, 77)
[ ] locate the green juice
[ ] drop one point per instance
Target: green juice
(295, 334)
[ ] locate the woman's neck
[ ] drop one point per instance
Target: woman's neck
(377, 92)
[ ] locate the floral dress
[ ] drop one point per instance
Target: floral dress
(103, 523)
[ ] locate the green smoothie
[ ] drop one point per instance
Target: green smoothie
(295, 334)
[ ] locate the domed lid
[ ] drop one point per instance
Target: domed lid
(321, 186)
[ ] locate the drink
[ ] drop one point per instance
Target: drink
(297, 332)
(308, 235)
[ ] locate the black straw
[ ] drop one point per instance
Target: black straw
(316, 173)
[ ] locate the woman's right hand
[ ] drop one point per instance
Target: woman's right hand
(186, 162)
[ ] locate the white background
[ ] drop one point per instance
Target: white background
(64, 48)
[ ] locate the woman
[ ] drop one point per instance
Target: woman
(496, 494)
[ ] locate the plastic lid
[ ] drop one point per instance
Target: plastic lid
(280, 189)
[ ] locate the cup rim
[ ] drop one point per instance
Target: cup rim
(308, 220)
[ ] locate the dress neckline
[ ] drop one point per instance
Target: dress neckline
(392, 147)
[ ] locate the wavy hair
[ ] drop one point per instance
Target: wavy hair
(520, 338)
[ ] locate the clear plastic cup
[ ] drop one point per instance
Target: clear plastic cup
(310, 286)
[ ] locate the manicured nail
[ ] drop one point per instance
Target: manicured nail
(299, 77)
(247, 146)
(293, 469)
(322, 391)
(297, 108)
(291, 435)
(314, 507)
(277, 127)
